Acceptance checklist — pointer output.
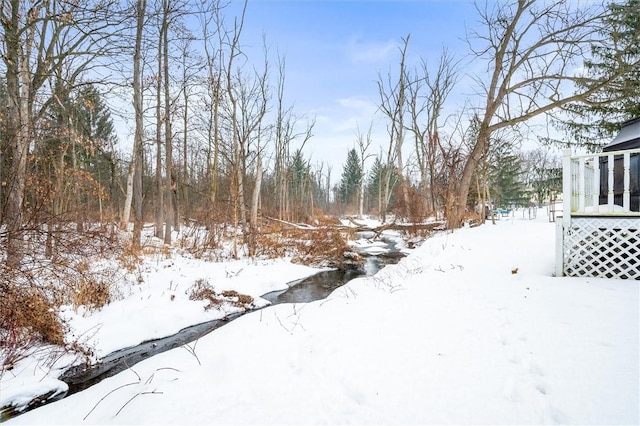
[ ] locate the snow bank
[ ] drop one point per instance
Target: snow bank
(470, 328)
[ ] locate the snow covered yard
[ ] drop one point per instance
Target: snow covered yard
(470, 328)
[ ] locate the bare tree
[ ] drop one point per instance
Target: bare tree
(214, 36)
(167, 11)
(283, 134)
(427, 96)
(161, 117)
(133, 77)
(393, 100)
(532, 49)
(252, 101)
(191, 64)
(364, 142)
(39, 38)
(237, 172)
(138, 147)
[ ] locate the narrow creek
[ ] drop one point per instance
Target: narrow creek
(315, 287)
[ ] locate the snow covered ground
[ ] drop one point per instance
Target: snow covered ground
(470, 328)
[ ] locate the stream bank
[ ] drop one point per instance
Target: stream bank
(315, 287)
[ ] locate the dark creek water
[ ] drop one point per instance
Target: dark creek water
(315, 287)
(320, 285)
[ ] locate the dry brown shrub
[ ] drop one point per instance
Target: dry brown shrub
(160, 249)
(26, 307)
(323, 247)
(321, 219)
(130, 257)
(82, 266)
(244, 300)
(202, 290)
(472, 218)
(271, 242)
(240, 300)
(91, 293)
(201, 239)
(27, 318)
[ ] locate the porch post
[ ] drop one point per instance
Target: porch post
(566, 187)
(626, 195)
(565, 223)
(559, 248)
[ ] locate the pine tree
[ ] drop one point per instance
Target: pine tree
(299, 175)
(505, 176)
(94, 118)
(300, 189)
(595, 121)
(351, 177)
(376, 183)
(96, 129)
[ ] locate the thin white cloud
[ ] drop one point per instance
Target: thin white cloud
(346, 114)
(360, 51)
(337, 125)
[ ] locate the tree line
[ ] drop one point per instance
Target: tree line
(215, 142)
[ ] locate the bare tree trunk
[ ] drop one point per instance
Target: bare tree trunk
(392, 104)
(400, 130)
(185, 163)
(282, 136)
(167, 125)
(18, 127)
(255, 198)
(159, 213)
(137, 159)
(126, 211)
(364, 142)
(210, 12)
(237, 174)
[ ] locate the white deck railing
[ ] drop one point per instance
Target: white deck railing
(581, 184)
(599, 235)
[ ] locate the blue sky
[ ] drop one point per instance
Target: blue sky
(335, 50)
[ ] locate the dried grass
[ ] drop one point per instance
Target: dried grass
(27, 318)
(324, 245)
(202, 290)
(91, 293)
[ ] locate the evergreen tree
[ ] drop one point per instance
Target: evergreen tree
(94, 120)
(299, 184)
(299, 172)
(96, 129)
(505, 176)
(75, 150)
(595, 121)
(351, 177)
(376, 182)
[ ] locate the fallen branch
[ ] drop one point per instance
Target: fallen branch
(360, 227)
(296, 225)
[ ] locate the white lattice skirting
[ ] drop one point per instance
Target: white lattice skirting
(602, 247)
